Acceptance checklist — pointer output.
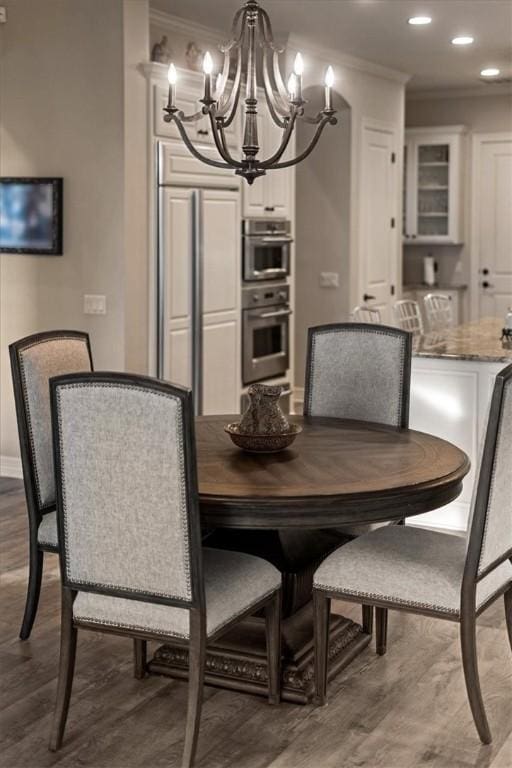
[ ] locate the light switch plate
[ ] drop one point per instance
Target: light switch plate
(329, 280)
(95, 304)
(3, 14)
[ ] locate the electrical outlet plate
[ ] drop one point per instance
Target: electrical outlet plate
(95, 304)
(329, 280)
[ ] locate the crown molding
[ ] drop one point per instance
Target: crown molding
(329, 55)
(185, 26)
(333, 56)
(484, 90)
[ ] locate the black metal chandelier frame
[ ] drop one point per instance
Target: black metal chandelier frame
(285, 107)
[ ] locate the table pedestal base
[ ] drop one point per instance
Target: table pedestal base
(237, 660)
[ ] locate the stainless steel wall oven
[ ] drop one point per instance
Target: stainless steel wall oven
(265, 330)
(265, 249)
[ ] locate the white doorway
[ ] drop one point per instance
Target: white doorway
(491, 234)
(379, 220)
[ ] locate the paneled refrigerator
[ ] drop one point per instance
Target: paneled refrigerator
(198, 287)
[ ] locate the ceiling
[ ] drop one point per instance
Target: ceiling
(377, 30)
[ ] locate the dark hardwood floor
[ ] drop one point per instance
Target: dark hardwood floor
(402, 710)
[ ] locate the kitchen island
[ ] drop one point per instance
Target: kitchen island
(451, 384)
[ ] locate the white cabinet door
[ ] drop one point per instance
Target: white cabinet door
(433, 188)
(269, 195)
(176, 229)
(378, 214)
(221, 301)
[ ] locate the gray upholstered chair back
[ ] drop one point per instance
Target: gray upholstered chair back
(364, 314)
(126, 487)
(34, 360)
(358, 371)
(438, 308)
(407, 315)
(490, 537)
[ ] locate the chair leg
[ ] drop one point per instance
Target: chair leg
(68, 635)
(196, 664)
(470, 665)
(321, 609)
(33, 588)
(139, 658)
(273, 639)
(367, 619)
(508, 613)
(381, 630)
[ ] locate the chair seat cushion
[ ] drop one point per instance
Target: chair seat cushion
(407, 566)
(47, 532)
(233, 583)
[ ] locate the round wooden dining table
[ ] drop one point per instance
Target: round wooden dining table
(288, 507)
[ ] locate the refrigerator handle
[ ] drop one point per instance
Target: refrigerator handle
(197, 301)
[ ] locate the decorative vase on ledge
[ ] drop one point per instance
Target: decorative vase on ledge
(264, 415)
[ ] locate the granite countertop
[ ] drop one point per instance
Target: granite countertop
(472, 341)
(433, 288)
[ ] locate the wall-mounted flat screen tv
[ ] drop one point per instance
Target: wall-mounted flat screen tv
(31, 215)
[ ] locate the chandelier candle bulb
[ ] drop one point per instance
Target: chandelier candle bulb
(207, 69)
(172, 76)
(298, 69)
(292, 86)
(329, 82)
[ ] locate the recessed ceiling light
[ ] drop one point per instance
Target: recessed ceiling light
(490, 72)
(463, 40)
(419, 21)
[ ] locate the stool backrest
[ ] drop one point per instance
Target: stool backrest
(407, 315)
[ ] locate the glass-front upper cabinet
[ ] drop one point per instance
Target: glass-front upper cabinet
(433, 185)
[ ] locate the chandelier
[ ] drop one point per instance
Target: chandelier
(220, 102)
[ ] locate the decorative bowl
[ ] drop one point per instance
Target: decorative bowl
(270, 443)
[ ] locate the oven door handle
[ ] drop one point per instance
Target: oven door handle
(276, 239)
(277, 313)
(267, 272)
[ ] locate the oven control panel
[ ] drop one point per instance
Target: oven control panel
(265, 296)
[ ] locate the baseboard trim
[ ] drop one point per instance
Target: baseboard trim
(10, 466)
(453, 517)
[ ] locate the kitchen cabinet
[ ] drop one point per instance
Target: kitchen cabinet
(270, 196)
(433, 185)
(219, 289)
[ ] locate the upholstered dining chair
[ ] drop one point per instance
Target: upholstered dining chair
(34, 360)
(132, 562)
(364, 314)
(359, 371)
(407, 315)
(438, 308)
(436, 574)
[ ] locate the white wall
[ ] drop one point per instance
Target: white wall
(62, 113)
(322, 226)
(480, 114)
(328, 216)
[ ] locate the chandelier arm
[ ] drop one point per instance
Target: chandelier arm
(274, 107)
(229, 108)
(180, 115)
(267, 34)
(287, 134)
(192, 149)
(327, 119)
(281, 89)
(235, 39)
(220, 143)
